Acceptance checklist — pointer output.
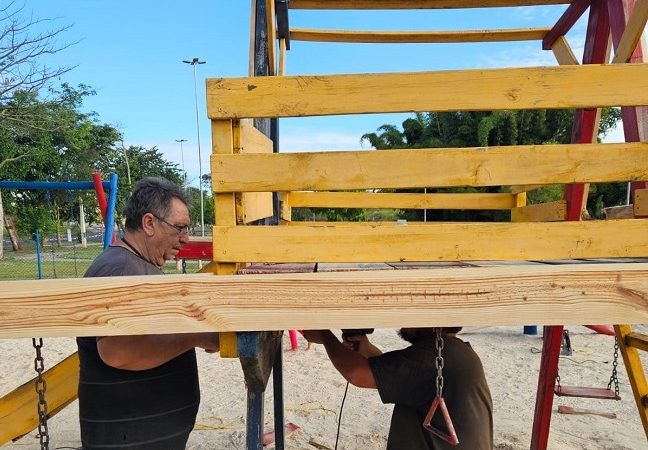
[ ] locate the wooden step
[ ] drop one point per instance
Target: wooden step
(637, 340)
(586, 392)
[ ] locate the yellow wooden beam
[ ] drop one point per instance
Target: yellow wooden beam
(272, 37)
(415, 4)
(18, 409)
(563, 52)
(544, 212)
(641, 203)
(434, 242)
(509, 295)
(371, 200)
(525, 188)
(636, 374)
(584, 86)
(419, 168)
(638, 341)
(633, 31)
(405, 37)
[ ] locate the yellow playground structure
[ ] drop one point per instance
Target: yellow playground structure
(598, 271)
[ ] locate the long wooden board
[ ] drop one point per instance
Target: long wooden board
(419, 168)
(505, 295)
(414, 4)
(300, 199)
(567, 86)
(405, 37)
(433, 242)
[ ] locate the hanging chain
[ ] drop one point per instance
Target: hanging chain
(615, 362)
(558, 381)
(439, 363)
(39, 366)
(184, 265)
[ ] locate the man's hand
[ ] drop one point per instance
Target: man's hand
(360, 343)
(316, 336)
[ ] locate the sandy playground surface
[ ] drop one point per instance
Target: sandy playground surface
(313, 391)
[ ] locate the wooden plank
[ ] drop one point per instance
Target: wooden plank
(505, 295)
(433, 242)
(272, 37)
(415, 4)
(419, 168)
(618, 212)
(405, 37)
(376, 200)
(544, 212)
(637, 340)
(641, 203)
(632, 34)
(253, 206)
(583, 86)
(18, 409)
(636, 374)
(563, 52)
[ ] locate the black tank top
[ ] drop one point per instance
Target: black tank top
(136, 410)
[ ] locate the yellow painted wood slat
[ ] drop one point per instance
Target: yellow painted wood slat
(637, 340)
(433, 242)
(584, 86)
(504, 295)
(632, 34)
(563, 52)
(420, 168)
(415, 4)
(636, 374)
(405, 37)
(641, 203)
(272, 37)
(18, 409)
(544, 212)
(252, 206)
(525, 188)
(371, 200)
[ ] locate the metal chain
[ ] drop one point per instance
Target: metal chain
(39, 366)
(558, 381)
(184, 265)
(439, 363)
(615, 362)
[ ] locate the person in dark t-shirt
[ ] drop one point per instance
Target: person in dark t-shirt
(407, 378)
(141, 392)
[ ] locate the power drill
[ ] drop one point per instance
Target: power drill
(356, 332)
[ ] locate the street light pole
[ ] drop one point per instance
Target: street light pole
(127, 164)
(194, 62)
(182, 159)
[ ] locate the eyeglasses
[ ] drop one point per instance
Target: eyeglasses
(181, 229)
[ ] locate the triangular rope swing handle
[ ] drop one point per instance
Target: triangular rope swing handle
(450, 436)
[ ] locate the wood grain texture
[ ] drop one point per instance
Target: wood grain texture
(633, 32)
(505, 295)
(544, 212)
(252, 206)
(433, 242)
(568, 86)
(640, 204)
(420, 168)
(406, 37)
(414, 4)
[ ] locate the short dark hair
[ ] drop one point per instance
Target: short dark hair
(151, 195)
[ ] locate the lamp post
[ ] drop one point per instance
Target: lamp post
(182, 159)
(194, 62)
(127, 164)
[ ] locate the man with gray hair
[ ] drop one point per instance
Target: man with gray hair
(142, 392)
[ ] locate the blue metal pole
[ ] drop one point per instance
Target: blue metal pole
(39, 263)
(50, 185)
(110, 210)
(254, 425)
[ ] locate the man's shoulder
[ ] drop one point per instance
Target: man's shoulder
(117, 261)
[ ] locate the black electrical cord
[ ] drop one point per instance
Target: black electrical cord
(337, 436)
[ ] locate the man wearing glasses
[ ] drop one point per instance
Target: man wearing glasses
(142, 392)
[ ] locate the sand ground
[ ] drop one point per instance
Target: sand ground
(313, 392)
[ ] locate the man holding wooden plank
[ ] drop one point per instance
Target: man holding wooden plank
(436, 366)
(142, 392)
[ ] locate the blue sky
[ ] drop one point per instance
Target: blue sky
(131, 53)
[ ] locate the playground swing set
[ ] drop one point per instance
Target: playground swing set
(602, 277)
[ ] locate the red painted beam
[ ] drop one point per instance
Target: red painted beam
(573, 12)
(197, 249)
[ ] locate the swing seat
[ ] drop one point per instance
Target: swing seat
(586, 392)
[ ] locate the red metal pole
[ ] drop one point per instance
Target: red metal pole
(101, 194)
(595, 52)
